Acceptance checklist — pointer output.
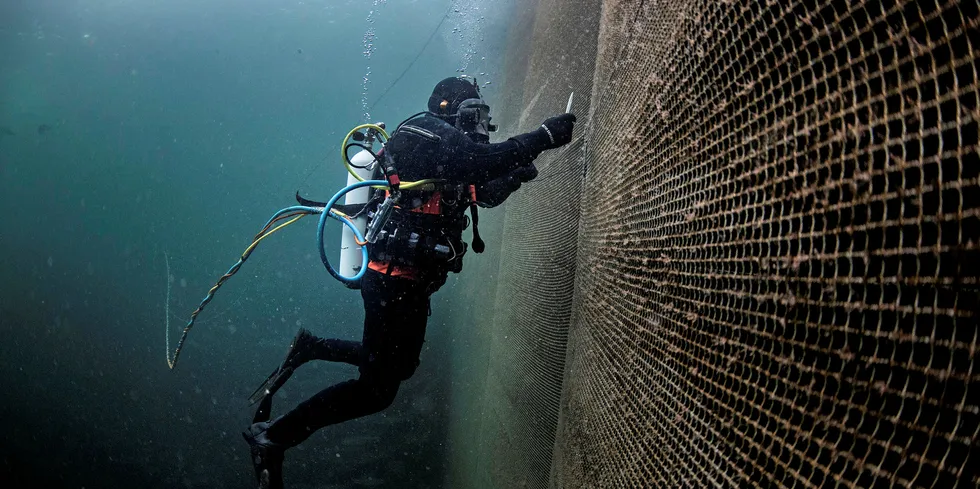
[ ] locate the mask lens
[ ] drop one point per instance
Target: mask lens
(474, 117)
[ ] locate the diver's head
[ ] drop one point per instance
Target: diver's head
(458, 101)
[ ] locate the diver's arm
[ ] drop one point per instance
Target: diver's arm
(458, 159)
(476, 163)
(484, 162)
(496, 191)
(430, 148)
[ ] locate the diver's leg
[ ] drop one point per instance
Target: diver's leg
(335, 404)
(334, 350)
(396, 311)
(305, 347)
(347, 400)
(341, 402)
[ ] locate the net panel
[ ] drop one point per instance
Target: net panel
(779, 249)
(536, 281)
(472, 298)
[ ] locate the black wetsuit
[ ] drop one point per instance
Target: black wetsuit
(395, 315)
(396, 308)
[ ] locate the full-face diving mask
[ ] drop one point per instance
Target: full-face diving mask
(473, 118)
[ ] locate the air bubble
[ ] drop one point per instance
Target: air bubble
(368, 43)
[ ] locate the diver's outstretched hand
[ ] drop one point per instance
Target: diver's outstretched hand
(559, 129)
(554, 132)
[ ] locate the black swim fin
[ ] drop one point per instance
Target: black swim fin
(307, 202)
(349, 209)
(264, 412)
(295, 356)
(276, 379)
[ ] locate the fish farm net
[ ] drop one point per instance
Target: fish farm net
(757, 264)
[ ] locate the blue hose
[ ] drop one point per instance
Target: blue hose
(347, 222)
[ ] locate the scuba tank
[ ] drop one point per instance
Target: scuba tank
(351, 259)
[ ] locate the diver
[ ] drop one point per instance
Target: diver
(415, 250)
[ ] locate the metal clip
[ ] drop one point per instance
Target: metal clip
(380, 219)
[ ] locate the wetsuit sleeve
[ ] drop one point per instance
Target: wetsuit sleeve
(496, 191)
(439, 150)
(472, 162)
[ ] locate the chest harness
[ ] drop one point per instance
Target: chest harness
(416, 232)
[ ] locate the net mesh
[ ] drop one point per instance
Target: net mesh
(779, 249)
(529, 330)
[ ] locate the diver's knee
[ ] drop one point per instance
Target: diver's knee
(408, 370)
(380, 394)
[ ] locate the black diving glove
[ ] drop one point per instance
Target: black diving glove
(554, 132)
(559, 128)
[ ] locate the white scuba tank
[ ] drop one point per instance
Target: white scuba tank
(350, 253)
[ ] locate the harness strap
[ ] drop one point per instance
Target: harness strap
(478, 244)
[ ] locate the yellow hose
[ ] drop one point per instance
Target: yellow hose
(255, 243)
(427, 184)
(343, 147)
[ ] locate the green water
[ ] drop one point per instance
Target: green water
(179, 127)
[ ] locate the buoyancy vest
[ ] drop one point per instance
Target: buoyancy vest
(424, 234)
